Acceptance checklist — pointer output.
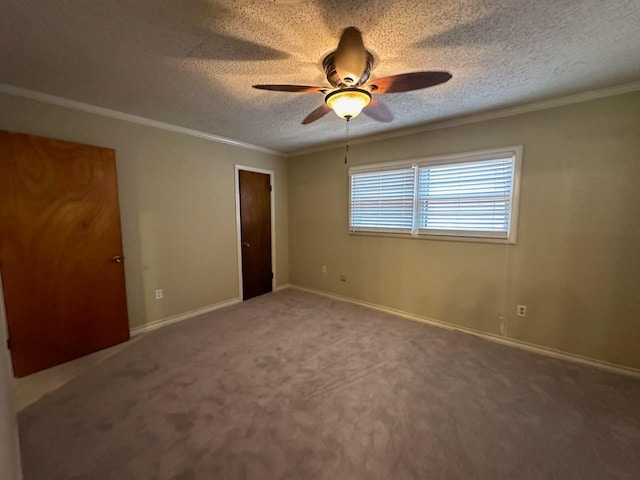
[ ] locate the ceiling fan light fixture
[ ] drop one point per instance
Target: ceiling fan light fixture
(348, 102)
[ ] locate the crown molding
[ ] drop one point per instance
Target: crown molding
(436, 125)
(105, 112)
(478, 117)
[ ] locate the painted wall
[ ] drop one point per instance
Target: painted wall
(177, 201)
(10, 468)
(577, 258)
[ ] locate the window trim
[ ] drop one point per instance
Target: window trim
(514, 151)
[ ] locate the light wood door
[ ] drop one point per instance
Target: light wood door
(60, 250)
(255, 224)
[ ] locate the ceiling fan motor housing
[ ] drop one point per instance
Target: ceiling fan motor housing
(348, 69)
(329, 65)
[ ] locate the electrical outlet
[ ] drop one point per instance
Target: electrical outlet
(159, 294)
(324, 269)
(522, 310)
(343, 277)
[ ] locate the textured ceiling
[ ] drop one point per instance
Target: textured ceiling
(192, 62)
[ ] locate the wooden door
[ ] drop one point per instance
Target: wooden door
(60, 250)
(255, 227)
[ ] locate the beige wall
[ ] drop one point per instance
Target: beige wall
(574, 266)
(9, 448)
(577, 259)
(177, 202)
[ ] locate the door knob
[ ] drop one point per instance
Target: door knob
(245, 244)
(118, 259)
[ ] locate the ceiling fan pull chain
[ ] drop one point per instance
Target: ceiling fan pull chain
(346, 147)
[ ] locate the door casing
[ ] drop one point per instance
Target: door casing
(239, 226)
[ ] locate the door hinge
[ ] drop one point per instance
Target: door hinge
(271, 188)
(8, 344)
(271, 275)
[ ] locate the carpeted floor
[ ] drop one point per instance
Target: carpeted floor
(297, 386)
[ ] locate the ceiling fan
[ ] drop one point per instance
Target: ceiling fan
(348, 69)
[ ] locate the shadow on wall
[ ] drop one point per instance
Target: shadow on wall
(625, 263)
(10, 468)
(604, 255)
(132, 243)
(151, 263)
(586, 266)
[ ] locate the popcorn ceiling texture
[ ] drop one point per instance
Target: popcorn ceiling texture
(192, 62)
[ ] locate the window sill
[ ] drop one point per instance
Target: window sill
(448, 238)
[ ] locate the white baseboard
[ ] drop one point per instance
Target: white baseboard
(282, 287)
(511, 342)
(163, 322)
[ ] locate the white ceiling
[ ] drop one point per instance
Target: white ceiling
(192, 62)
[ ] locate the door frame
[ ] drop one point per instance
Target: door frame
(272, 175)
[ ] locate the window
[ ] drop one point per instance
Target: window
(383, 201)
(470, 195)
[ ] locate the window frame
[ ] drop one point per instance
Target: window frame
(452, 235)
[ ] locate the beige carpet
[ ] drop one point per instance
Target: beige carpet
(296, 386)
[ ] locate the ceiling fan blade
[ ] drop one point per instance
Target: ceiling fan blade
(292, 88)
(351, 56)
(319, 112)
(406, 82)
(378, 111)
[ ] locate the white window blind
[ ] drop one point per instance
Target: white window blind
(383, 200)
(466, 196)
